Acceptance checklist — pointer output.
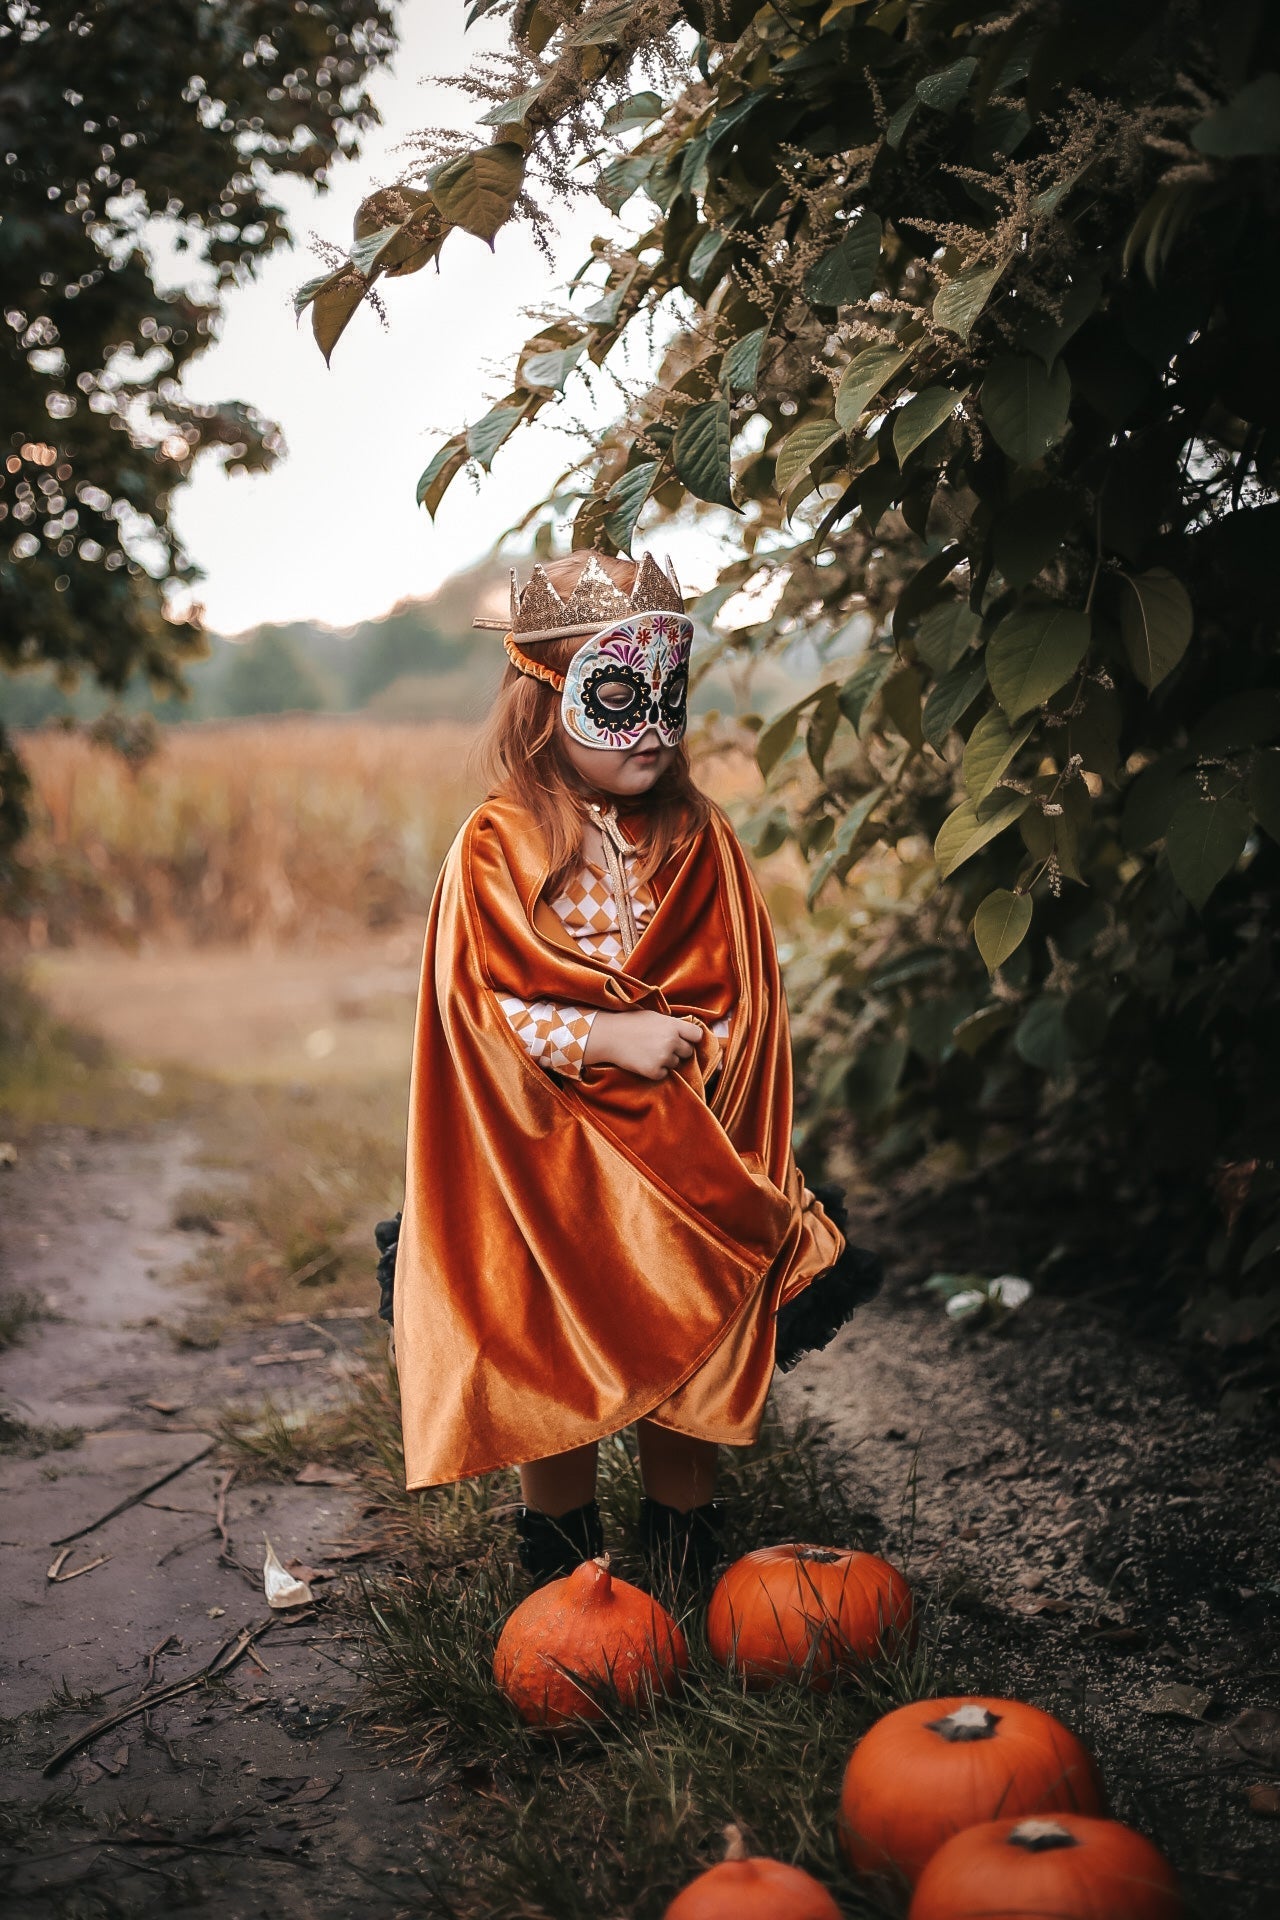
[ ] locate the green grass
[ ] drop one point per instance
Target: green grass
(614, 1819)
(21, 1441)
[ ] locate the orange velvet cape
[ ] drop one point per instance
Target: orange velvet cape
(577, 1254)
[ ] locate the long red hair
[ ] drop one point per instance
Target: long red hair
(522, 757)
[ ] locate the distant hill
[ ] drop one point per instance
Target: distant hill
(421, 660)
(424, 650)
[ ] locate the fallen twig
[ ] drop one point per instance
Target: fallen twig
(57, 1576)
(222, 1662)
(133, 1499)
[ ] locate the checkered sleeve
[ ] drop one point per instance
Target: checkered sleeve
(556, 1037)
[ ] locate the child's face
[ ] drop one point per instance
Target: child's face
(620, 770)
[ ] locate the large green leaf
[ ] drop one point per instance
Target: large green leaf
(488, 434)
(921, 416)
(703, 257)
(1046, 332)
(945, 89)
(967, 830)
(946, 633)
(862, 380)
(952, 698)
(957, 305)
(700, 452)
(1030, 531)
(1249, 123)
(741, 364)
(842, 853)
(1206, 838)
(1025, 405)
(1155, 622)
(1000, 925)
(637, 111)
(863, 684)
(989, 750)
(509, 113)
(629, 494)
(478, 190)
(1041, 1035)
(801, 448)
(549, 370)
(333, 300)
(774, 740)
(848, 271)
(1034, 651)
(621, 178)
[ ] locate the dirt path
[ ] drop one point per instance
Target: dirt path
(1109, 1547)
(249, 1791)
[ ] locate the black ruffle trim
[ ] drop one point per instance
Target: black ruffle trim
(387, 1235)
(814, 1318)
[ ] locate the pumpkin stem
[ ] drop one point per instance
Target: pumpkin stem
(1041, 1836)
(594, 1577)
(735, 1846)
(966, 1723)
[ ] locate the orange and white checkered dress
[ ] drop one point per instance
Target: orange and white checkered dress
(555, 1036)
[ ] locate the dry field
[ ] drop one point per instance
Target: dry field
(295, 830)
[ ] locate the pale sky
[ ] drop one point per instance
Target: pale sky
(333, 533)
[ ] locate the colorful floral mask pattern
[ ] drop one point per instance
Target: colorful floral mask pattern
(630, 678)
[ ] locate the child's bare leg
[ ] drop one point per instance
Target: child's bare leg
(675, 1468)
(561, 1483)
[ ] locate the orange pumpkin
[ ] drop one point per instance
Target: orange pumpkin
(757, 1889)
(752, 1888)
(1068, 1867)
(806, 1613)
(935, 1767)
(580, 1645)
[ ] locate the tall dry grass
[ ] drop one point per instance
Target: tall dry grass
(301, 829)
(295, 829)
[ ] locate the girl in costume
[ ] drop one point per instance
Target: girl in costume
(603, 1224)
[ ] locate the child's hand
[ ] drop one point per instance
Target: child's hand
(647, 1043)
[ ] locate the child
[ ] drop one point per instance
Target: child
(603, 1222)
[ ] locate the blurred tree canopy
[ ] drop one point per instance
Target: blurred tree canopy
(138, 146)
(971, 321)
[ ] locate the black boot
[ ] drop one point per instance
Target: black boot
(681, 1548)
(552, 1545)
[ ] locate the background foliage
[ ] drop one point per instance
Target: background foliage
(113, 118)
(973, 317)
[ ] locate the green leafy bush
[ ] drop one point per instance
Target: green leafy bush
(976, 319)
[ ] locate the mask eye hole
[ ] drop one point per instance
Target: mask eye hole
(616, 696)
(674, 691)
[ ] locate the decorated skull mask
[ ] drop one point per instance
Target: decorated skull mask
(627, 679)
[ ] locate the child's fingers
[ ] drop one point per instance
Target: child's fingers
(690, 1030)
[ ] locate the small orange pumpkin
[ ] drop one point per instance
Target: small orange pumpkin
(1066, 1866)
(580, 1644)
(935, 1767)
(747, 1887)
(806, 1613)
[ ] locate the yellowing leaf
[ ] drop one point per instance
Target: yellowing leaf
(967, 830)
(923, 413)
(957, 305)
(988, 751)
(478, 190)
(862, 380)
(800, 449)
(1000, 925)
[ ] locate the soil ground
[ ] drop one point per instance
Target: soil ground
(1103, 1541)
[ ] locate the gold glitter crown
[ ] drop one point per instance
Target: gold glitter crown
(538, 612)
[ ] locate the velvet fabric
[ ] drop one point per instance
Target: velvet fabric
(576, 1255)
